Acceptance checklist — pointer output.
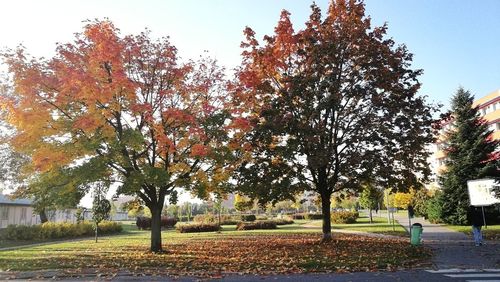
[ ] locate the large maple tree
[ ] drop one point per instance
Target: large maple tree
(121, 109)
(331, 105)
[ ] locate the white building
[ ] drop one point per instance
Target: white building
(18, 211)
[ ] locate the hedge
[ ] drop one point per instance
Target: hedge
(264, 224)
(145, 222)
(283, 221)
(205, 218)
(230, 222)
(344, 217)
(197, 227)
(308, 216)
(52, 230)
(211, 218)
(248, 217)
(311, 216)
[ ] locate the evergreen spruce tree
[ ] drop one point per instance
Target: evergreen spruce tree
(470, 155)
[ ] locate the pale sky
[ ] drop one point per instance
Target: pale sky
(457, 43)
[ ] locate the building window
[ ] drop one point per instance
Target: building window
(23, 214)
(4, 213)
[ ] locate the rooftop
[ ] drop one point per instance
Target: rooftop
(5, 199)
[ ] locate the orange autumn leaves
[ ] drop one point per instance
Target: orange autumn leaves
(225, 254)
(130, 102)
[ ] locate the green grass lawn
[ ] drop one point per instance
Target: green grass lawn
(290, 248)
(379, 226)
(491, 232)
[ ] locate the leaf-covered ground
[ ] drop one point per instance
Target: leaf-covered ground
(210, 255)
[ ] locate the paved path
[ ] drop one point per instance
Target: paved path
(453, 249)
(433, 232)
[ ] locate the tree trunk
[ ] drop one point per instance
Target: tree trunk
(43, 216)
(218, 218)
(327, 225)
(156, 229)
(96, 227)
(371, 219)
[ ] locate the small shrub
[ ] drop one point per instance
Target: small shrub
(229, 222)
(205, 218)
(313, 216)
(263, 224)
(109, 227)
(344, 217)
(261, 217)
(145, 222)
(248, 217)
(283, 221)
(298, 216)
(168, 222)
(197, 227)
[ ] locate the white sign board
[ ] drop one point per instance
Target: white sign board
(481, 192)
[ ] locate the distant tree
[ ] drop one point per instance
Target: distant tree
(188, 208)
(51, 190)
(419, 202)
(470, 154)
(389, 198)
(434, 208)
(283, 206)
(80, 214)
(242, 203)
(330, 105)
(100, 206)
(402, 200)
(370, 198)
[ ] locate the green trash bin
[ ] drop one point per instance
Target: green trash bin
(416, 234)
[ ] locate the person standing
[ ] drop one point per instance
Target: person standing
(476, 220)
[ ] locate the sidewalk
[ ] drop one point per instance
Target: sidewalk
(432, 232)
(453, 249)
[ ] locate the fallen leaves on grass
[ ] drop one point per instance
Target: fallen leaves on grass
(249, 254)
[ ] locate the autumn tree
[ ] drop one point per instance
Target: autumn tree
(331, 105)
(419, 202)
(470, 154)
(100, 206)
(402, 200)
(370, 198)
(11, 161)
(242, 203)
(123, 109)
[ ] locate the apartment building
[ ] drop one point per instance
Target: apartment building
(489, 109)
